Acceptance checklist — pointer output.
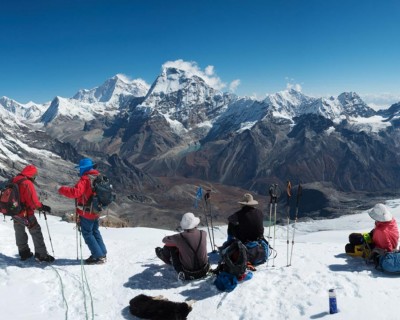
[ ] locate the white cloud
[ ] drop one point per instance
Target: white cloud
(291, 84)
(234, 85)
(209, 70)
(380, 101)
(208, 75)
(124, 77)
(294, 86)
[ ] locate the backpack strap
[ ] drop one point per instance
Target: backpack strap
(18, 184)
(196, 258)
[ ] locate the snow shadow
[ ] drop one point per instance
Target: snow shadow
(156, 277)
(200, 289)
(351, 264)
(320, 315)
(153, 277)
(126, 314)
(6, 261)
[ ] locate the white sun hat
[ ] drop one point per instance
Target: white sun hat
(380, 213)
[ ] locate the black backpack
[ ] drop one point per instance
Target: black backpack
(234, 259)
(103, 193)
(10, 202)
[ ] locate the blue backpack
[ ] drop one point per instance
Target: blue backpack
(226, 281)
(258, 251)
(390, 262)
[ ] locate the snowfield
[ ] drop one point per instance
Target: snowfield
(66, 290)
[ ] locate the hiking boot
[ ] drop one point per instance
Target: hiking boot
(181, 276)
(24, 255)
(44, 258)
(92, 260)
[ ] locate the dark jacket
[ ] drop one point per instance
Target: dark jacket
(82, 192)
(27, 191)
(246, 224)
(186, 255)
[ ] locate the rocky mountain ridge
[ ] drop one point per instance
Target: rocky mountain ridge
(181, 129)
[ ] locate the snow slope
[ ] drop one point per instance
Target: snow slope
(29, 290)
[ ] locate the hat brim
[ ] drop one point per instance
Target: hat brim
(379, 217)
(250, 203)
(85, 167)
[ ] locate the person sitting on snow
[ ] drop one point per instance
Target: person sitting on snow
(186, 251)
(247, 223)
(385, 235)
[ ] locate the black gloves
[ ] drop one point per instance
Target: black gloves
(45, 208)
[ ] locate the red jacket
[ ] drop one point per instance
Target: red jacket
(386, 235)
(27, 191)
(82, 191)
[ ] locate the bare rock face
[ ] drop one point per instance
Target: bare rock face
(158, 144)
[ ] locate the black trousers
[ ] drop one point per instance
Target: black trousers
(170, 255)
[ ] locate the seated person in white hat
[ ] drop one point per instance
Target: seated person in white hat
(385, 235)
(186, 251)
(247, 223)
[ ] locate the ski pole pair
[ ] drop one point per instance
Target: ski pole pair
(274, 193)
(206, 201)
(208, 212)
(288, 195)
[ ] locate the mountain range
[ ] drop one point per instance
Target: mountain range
(159, 143)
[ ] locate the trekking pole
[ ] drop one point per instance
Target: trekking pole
(48, 231)
(199, 195)
(271, 189)
(207, 198)
(76, 234)
(299, 193)
(76, 228)
(288, 195)
(275, 199)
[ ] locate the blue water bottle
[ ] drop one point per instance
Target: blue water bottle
(332, 301)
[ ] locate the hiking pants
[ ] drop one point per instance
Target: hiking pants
(21, 236)
(93, 239)
(172, 253)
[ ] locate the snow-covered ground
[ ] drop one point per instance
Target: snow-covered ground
(34, 291)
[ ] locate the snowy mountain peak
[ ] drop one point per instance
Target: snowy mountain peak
(286, 104)
(29, 111)
(112, 89)
(354, 106)
(174, 79)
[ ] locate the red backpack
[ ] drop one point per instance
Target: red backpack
(10, 202)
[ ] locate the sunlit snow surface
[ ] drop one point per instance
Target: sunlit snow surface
(29, 290)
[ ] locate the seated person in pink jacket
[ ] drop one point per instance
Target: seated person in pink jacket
(385, 235)
(186, 251)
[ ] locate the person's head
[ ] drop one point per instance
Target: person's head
(30, 171)
(248, 200)
(380, 213)
(85, 165)
(189, 221)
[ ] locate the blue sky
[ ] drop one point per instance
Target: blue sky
(56, 47)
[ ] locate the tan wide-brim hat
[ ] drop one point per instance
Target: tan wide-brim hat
(380, 213)
(248, 200)
(189, 221)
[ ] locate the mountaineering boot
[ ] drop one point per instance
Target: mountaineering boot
(26, 254)
(92, 260)
(181, 276)
(44, 258)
